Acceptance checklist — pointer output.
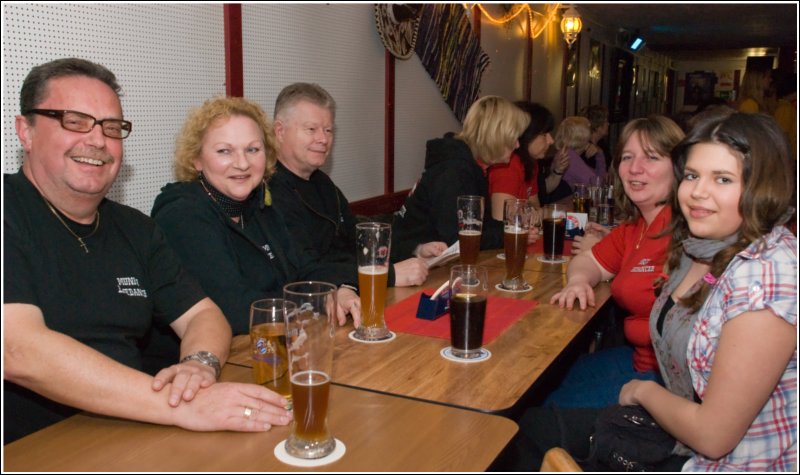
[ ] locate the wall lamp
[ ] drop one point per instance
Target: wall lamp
(571, 25)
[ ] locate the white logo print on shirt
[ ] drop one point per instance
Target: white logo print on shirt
(642, 267)
(130, 287)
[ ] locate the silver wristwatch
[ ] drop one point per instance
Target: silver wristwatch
(207, 358)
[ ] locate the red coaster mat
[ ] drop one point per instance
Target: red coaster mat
(538, 247)
(501, 313)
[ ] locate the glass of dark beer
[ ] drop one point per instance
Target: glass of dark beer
(470, 225)
(517, 223)
(469, 287)
(373, 247)
(268, 345)
(554, 224)
(310, 331)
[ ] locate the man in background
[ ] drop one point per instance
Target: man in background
(314, 208)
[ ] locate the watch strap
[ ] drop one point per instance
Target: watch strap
(207, 358)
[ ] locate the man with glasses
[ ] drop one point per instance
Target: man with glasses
(85, 278)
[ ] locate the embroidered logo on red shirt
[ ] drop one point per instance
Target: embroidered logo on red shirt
(642, 267)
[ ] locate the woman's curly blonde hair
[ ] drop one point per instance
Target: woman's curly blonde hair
(190, 141)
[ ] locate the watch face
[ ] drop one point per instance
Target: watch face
(207, 358)
(399, 37)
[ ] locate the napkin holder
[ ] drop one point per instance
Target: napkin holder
(432, 309)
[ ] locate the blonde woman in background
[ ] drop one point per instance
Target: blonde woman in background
(456, 164)
(754, 83)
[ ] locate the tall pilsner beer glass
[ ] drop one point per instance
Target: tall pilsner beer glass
(470, 226)
(373, 244)
(310, 311)
(517, 221)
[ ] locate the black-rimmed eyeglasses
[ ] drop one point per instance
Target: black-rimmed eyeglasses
(80, 122)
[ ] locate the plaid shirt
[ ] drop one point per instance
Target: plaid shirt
(763, 276)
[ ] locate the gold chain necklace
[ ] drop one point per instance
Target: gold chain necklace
(641, 235)
(80, 239)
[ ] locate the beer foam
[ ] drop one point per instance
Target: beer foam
(468, 296)
(511, 229)
(373, 270)
(310, 378)
(469, 232)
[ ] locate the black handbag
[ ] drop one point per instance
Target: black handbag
(627, 439)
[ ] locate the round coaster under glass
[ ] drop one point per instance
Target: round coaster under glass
(447, 353)
(546, 260)
(391, 336)
(283, 456)
(527, 288)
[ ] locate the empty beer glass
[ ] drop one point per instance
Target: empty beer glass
(554, 225)
(468, 292)
(596, 193)
(517, 221)
(268, 345)
(470, 225)
(373, 244)
(310, 329)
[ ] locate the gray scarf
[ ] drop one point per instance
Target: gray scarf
(696, 249)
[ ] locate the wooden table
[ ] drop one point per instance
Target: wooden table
(381, 433)
(411, 366)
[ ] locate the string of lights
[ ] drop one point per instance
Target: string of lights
(537, 27)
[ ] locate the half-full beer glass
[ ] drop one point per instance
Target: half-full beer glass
(310, 329)
(468, 287)
(268, 345)
(373, 243)
(470, 226)
(517, 221)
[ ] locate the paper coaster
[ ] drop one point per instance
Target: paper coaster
(560, 260)
(447, 353)
(391, 336)
(283, 456)
(527, 288)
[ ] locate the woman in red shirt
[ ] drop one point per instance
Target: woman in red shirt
(519, 178)
(633, 254)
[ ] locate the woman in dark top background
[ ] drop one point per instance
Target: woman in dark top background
(456, 165)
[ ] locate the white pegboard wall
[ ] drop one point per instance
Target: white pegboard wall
(337, 47)
(417, 95)
(167, 58)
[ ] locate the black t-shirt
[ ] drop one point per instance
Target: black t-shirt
(106, 299)
(318, 216)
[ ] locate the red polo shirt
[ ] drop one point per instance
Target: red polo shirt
(635, 271)
(510, 178)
